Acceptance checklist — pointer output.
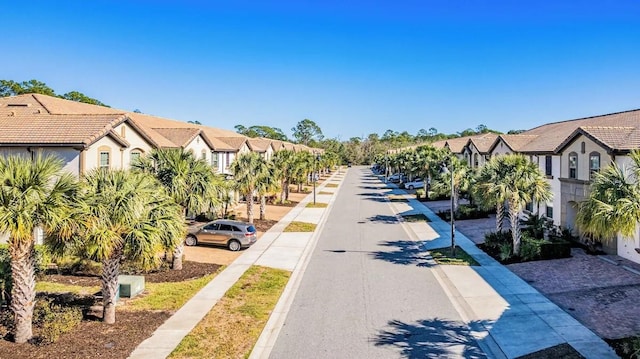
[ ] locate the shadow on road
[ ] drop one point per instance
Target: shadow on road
(407, 253)
(381, 218)
(436, 338)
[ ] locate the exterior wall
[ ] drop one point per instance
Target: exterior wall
(136, 141)
(92, 155)
(576, 190)
(583, 157)
(243, 149)
(69, 155)
(199, 148)
(500, 149)
(626, 246)
(269, 153)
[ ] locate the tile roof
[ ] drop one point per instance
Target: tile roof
(28, 120)
(552, 135)
(515, 142)
(612, 138)
(484, 141)
(235, 143)
(439, 144)
(180, 136)
(259, 144)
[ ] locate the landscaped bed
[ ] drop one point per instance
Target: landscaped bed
(136, 319)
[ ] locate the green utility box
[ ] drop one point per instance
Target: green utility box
(130, 285)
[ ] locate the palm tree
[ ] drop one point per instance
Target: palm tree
(522, 182)
(613, 204)
(463, 179)
(124, 214)
(191, 183)
(284, 161)
(427, 164)
(248, 170)
(490, 190)
(267, 184)
(33, 193)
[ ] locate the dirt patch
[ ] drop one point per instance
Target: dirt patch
(94, 339)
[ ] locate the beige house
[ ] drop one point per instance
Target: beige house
(84, 136)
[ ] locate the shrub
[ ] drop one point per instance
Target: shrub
(54, 319)
(419, 193)
(556, 249)
(530, 248)
(505, 251)
(75, 265)
(465, 211)
(496, 239)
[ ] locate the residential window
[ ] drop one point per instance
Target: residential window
(594, 164)
(228, 155)
(203, 154)
(573, 164)
(475, 160)
(529, 206)
(548, 165)
(104, 159)
(214, 159)
(135, 155)
(549, 212)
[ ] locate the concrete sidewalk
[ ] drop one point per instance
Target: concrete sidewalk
(510, 317)
(274, 249)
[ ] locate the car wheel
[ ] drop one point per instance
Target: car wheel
(191, 241)
(234, 245)
(410, 187)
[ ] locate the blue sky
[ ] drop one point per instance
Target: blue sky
(353, 67)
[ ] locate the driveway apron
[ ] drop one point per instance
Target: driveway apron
(368, 291)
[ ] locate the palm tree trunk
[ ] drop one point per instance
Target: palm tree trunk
(499, 216)
(283, 193)
(263, 206)
(515, 227)
(286, 190)
(110, 271)
(250, 208)
(178, 252)
(23, 292)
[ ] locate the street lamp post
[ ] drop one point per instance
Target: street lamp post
(313, 175)
(453, 220)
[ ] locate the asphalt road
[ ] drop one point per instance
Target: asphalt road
(367, 292)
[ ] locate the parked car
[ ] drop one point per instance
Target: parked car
(396, 177)
(231, 234)
(416, 183)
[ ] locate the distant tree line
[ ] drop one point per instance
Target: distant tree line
(13, 88)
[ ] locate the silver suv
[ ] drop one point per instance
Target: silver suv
(232, 234)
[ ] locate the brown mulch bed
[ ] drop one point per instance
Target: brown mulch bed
(561, 351)
(94, 339)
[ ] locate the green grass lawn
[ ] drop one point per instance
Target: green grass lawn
(415, 218)
(168, 296)
(331, 185)
(443, 256)
(317, 205)
(300, 227)
(52, 287)
(325, 192)
(233, 326)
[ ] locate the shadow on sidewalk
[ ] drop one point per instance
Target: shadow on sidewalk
(434, 338)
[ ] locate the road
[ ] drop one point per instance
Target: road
(367, 291)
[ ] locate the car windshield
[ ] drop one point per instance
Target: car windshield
(251, 229)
